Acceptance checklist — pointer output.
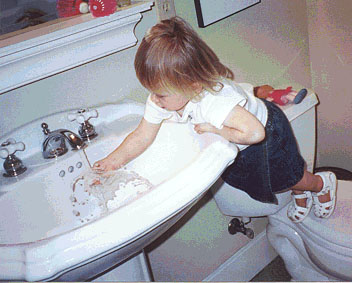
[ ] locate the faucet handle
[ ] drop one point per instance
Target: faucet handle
(9, 147)
(13, 165)
(82, 115)
(86, 130)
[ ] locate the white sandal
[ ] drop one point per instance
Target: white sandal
(325, 209)
(298, 213)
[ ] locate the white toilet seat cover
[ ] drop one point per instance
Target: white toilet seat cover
(338, 227)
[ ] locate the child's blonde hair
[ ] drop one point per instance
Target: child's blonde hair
(172, 57)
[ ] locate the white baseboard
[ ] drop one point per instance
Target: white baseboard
(247, 262)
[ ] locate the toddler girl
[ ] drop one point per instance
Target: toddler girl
(187, 82)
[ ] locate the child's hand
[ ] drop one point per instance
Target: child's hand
(205, 127)
(106, 164)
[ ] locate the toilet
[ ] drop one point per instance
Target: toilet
(315, 249)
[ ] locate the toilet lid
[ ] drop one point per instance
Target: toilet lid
(338, 227)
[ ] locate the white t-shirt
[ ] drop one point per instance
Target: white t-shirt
(212, 108)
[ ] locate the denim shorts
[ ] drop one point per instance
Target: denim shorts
(271, 166)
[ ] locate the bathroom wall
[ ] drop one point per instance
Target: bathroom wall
(330, 43)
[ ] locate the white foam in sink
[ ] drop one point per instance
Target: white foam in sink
(94, 195)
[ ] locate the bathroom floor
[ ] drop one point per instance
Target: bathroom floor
(274, 271)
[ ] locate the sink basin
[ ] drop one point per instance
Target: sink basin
(43, 237)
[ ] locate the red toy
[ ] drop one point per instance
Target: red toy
(69, 8)
(280, 96)
(101, 8)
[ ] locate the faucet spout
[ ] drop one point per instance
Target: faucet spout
(55, 143)
(74, 140)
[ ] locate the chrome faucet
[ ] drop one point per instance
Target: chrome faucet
(55, 143)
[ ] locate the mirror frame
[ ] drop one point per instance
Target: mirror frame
(208, 12)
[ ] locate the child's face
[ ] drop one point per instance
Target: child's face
(171, 102)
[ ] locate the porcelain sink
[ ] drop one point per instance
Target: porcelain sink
(42, 234)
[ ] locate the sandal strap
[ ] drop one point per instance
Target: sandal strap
(326, 189)
(306, 194)
(323, 204)
(298, 213)
(301, 209)
(322, 192)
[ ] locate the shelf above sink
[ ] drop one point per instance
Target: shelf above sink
(54, 49)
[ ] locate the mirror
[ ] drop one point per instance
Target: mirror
(19, 14)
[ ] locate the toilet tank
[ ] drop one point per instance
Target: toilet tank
(303, 121)
(234, 202)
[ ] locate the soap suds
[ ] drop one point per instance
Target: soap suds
(94, 195)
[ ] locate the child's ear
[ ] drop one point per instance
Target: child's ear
(197, 87)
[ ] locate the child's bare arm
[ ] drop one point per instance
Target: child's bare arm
(132, 146)
(240, 127)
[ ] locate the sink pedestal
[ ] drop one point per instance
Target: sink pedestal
(133, 270)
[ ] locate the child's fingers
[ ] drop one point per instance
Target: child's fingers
(106, 165)
(95, 182)
(198, 129)
(98, 167)
(205, 127)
